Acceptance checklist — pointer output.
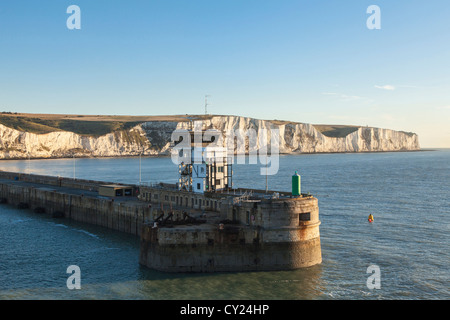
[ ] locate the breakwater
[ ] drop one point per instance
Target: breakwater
(180, 231)
(252, 230)
(74, 199)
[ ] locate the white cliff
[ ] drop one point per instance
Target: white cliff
(154, 138)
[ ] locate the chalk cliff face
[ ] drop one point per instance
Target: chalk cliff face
(154, 138)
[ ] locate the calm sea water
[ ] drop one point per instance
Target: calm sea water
(408, 194)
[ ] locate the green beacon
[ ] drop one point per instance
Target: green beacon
(296, 188)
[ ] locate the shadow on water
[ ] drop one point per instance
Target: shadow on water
(296, 284)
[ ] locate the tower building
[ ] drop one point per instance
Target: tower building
(205, 166)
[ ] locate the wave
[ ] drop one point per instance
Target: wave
(78, 230)
(88, 233)
(60, 225)
(20, 221)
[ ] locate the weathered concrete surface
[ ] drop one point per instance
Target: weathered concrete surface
(213, 250)
(264, 235)
(76, 200)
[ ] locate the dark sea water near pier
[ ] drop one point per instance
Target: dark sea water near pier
(407, 192)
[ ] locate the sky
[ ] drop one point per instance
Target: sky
(305, 61)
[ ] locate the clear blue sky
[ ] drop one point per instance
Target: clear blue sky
(307, 61)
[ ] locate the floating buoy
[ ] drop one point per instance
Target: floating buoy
(370, 218)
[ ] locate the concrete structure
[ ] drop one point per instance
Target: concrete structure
(224, 229)
(115, 190)
(247, 231)
(181, 230)
(74, 199)
(205, 166)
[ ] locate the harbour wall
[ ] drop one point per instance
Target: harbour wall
(235, 250)
(270, 234)
(88, 185)
(73, 199)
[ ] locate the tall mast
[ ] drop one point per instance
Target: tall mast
(206, 104)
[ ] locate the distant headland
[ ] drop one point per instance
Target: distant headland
(29, 136)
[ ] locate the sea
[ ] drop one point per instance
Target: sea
(402, 255)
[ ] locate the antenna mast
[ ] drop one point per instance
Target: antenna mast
(206, 104)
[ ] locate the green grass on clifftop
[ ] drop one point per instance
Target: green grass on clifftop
(335, 131)
(98, 125)
(42, 126)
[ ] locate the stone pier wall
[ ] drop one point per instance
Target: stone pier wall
(213, 250)
(273, 234)
(276, 234)
(126, 216)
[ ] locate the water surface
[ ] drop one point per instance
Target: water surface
(407, 192)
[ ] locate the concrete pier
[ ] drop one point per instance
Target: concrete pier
(242, 230)
(252, 233)
(74, 199)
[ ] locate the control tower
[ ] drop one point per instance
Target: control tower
(205, 166)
